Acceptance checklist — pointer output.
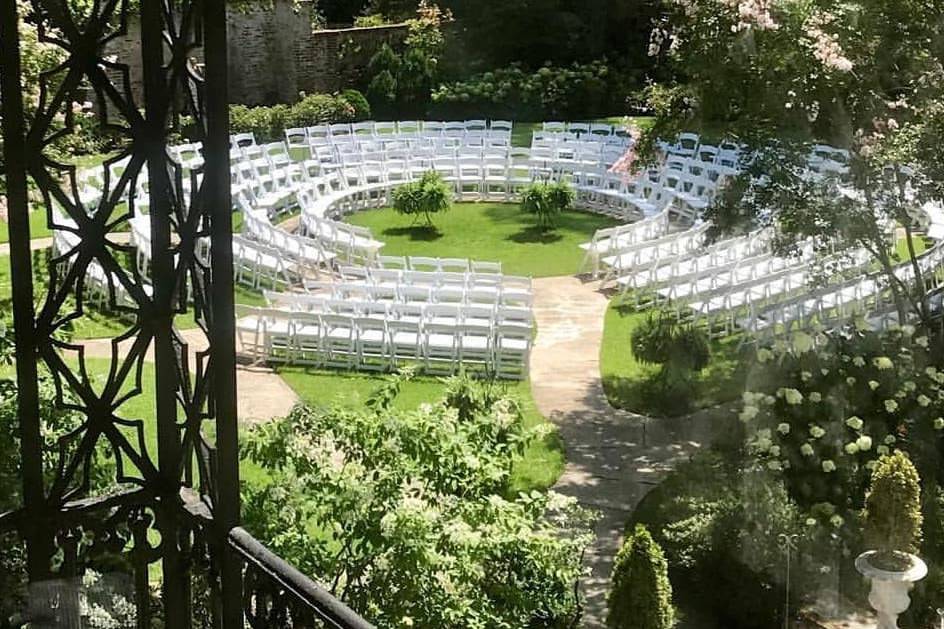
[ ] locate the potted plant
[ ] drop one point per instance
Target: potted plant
(893, 532)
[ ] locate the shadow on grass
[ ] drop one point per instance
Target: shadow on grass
(535, 235)
(416, 233)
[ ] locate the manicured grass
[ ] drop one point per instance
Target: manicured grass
(37, 223)
(625, 378)
(539, 468)
(489, 231)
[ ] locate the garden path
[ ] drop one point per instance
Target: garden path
(36, 244)
(263, 394)
(613, 457)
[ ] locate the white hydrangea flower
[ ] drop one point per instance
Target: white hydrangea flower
(774, 450)
(783, 428)
(816, 432)
(858, 361)
(836, 520)
(815, 396)
(811, 522)
(851, 448)
(829, 466)
(805, 376)
(749, 413)
(922, 341)
(890, 439)
(851, 381)
(854, 422)
(882, 363)
(792, 396)
(923, 400)
(870, 465)
(873, 384)
(864, 443)
(939, 423)
(891, 406)
(802, 342)
(806, 449)
(882, 450)
(774, 465)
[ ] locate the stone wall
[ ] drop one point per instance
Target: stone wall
(274, 54)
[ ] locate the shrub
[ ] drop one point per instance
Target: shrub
(893, 511)
(547, 201)
(551, 92)
(267, 124)
(403, 512)
(641, 597)
(681, 349)
(430, 195)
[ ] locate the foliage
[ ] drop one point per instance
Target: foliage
(893, 510)
(269, 123)
(715, 519)
(399, 512)
(401, 83)
(824, 408)
(427, 196)
(682, 349)
(547, 201)
(641, 596)
(551, 92)
(779, 77)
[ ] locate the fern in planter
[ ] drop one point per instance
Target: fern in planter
(893, 512)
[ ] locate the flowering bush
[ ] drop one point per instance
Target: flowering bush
(402, 513)
(826, 407)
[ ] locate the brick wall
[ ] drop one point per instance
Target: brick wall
(274, 54)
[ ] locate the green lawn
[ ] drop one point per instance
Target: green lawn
(489, 231)
(624, 378)
(37, 223)
(539, 468)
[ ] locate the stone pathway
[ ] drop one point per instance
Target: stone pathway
(613, 457)
(35, 245)
(262, 394)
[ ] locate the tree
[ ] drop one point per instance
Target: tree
(780, 77)
(547, 201)
(430, 195)
(893, 511)
(641, 597)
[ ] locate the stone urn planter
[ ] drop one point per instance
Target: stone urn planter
(889, 594)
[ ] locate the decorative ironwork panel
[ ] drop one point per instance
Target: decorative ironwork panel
(94, 278)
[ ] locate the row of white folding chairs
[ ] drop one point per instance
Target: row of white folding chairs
(715, 260)
(651, 252)
(652, 268)
(608, 240)
(426, 263)
(350, 243)
(393, 310)
(259, 265)
(585, 129)
(479, 294)
(309, 254)
(861, 294)
(367, 343)
(517, 285)
(99, 287)
(324, 134)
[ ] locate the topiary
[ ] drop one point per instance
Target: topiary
(427, 196)
(893, 511)
(641, 597)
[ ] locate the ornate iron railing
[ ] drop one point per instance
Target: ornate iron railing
(173, 505)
